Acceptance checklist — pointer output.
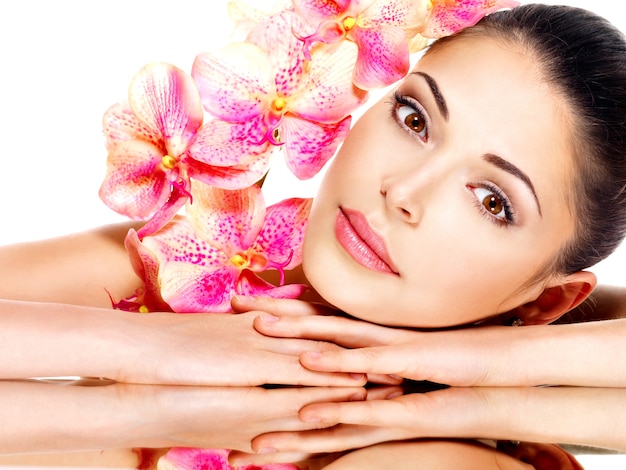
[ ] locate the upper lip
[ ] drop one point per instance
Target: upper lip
(374, 241)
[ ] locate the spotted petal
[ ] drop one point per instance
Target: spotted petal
(119, 124)
(284, 49)
(309, 145)
(166, 99)
(234, 81)
(317, 11)
(328, 94)
(221, 143)
(189, 288)
(229, 220)
(383, 56)
(192, 276)
(283, 233)
(449, 17)
(134, 184)
(400, 13)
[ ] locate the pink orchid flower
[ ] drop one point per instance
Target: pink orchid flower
(449, 16)
(155, 145)
(265, 94)
(380, 28)
(198, 262)
(209, 459)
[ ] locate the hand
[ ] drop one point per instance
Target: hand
(222, 350)
(460, 357)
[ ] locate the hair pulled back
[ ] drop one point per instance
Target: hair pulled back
(583, 58)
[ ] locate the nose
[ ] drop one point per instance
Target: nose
(402, 197)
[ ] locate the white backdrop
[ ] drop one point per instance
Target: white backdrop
(64, 62)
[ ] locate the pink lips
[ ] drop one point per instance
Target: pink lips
(359, 240)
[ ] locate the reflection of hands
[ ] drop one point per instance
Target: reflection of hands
(55, 418)
(585, 416)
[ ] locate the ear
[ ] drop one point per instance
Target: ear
(556, 300)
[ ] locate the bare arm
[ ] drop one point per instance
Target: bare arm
(74, 269)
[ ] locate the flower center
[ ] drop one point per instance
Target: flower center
(279, 105)
(249, 260)
(168, 161)
(349, 22)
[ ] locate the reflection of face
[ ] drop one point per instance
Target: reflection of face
(447, 198)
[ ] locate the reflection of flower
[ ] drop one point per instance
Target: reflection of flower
(380, 28)
(199, 262)
(267, 94)
(209, 459)
(450, 16)
(151, 151)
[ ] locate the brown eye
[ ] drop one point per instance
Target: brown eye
(414, 122)
(493, 204)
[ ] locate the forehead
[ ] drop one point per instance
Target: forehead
(497, 96)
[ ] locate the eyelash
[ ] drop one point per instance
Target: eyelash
(509, 213)
(401, 100)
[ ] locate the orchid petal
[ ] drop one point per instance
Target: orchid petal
(449, 17)
(328, 94)
(401, 13)
(231, 177)
(179, 192)
(308, 145)
(234, 81)
(120, 123)
(284, 49)
(320, 10)
(222, 143)
(166, 99)
(283, 233)
(252, 285)
(146, 265)
(383, 56)
(134, 184)
(229, 220)
(253, 10)
(190, 288)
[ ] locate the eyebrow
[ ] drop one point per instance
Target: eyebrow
(439, 99)
(515, 171)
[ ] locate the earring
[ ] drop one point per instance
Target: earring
(516, 321)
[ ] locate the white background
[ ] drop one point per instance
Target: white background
(64, 62)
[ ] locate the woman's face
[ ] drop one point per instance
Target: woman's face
(446, 198)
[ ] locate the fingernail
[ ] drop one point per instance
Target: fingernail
(266, 450)
(312, 419)
(269, 318)
(358, 377)
(394, 395)
(313, 354)
(357, 397)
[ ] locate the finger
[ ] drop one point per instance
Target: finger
(335, 439)
(382, 361)
(339, 330)
(282, 307)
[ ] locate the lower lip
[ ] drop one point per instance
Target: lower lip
(354, 245)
